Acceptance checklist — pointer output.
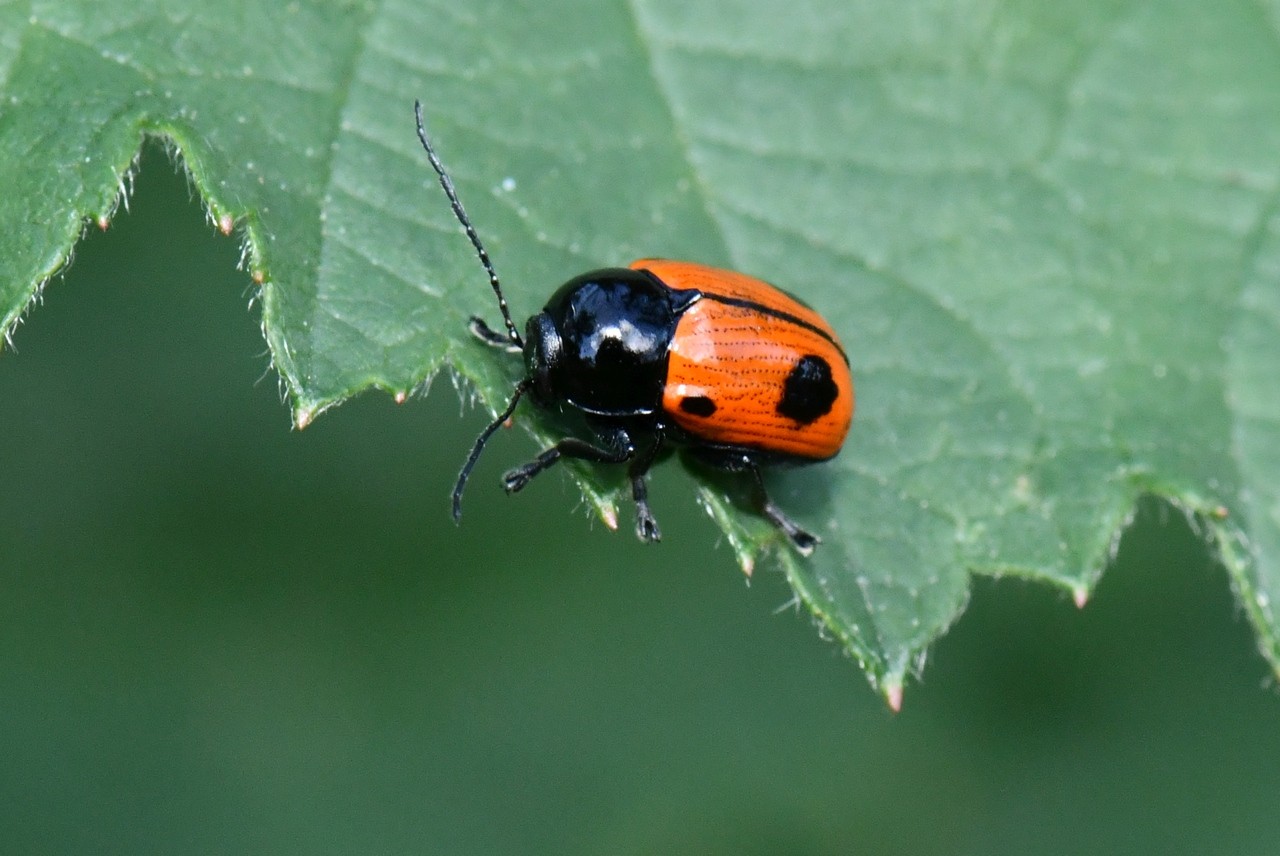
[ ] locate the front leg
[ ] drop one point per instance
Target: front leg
(491, 337)
(570, 447)
(621, 450)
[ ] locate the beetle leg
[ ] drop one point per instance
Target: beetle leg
(624, 450)
(646, 524)
(803, 541)
(570, 447)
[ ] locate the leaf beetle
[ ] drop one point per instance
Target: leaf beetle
(733, 371)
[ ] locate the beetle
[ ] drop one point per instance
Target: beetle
(732, 370)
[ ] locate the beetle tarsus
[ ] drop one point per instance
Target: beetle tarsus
(803, 541)
(492, 337)
(514, 481)
(646, 525)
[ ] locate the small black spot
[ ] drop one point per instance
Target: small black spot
(698, 405)
(809, 391)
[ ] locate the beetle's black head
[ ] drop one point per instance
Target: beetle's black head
(542, 355)
(600, 344)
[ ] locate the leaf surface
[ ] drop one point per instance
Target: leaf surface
(1048, 235)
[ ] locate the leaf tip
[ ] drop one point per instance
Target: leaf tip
(302, 418)
(609, 514)
(893, 694)
(226, 223)
(1080, 595)
(104, 222)
(401, 396)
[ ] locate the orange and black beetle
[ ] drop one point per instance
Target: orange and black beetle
(732, 370)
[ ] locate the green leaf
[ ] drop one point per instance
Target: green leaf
(1048, 234)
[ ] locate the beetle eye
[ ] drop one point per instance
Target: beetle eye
(542, 354)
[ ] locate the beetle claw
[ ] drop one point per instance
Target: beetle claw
(803, 541)
(647, 526)
(515, 480)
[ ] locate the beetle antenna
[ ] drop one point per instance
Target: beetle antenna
(461, 214)
(521, 388)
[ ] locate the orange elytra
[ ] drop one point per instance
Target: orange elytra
(752, 367)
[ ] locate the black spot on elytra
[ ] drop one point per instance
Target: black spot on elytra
(698, 405)
(808, 391)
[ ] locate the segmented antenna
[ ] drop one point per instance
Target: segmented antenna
(461, 214)
(521, 388)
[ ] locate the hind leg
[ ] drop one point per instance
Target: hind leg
(804, 541)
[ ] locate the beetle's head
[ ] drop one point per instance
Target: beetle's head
(543, 351)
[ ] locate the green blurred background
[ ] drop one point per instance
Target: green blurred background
(218, 635)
